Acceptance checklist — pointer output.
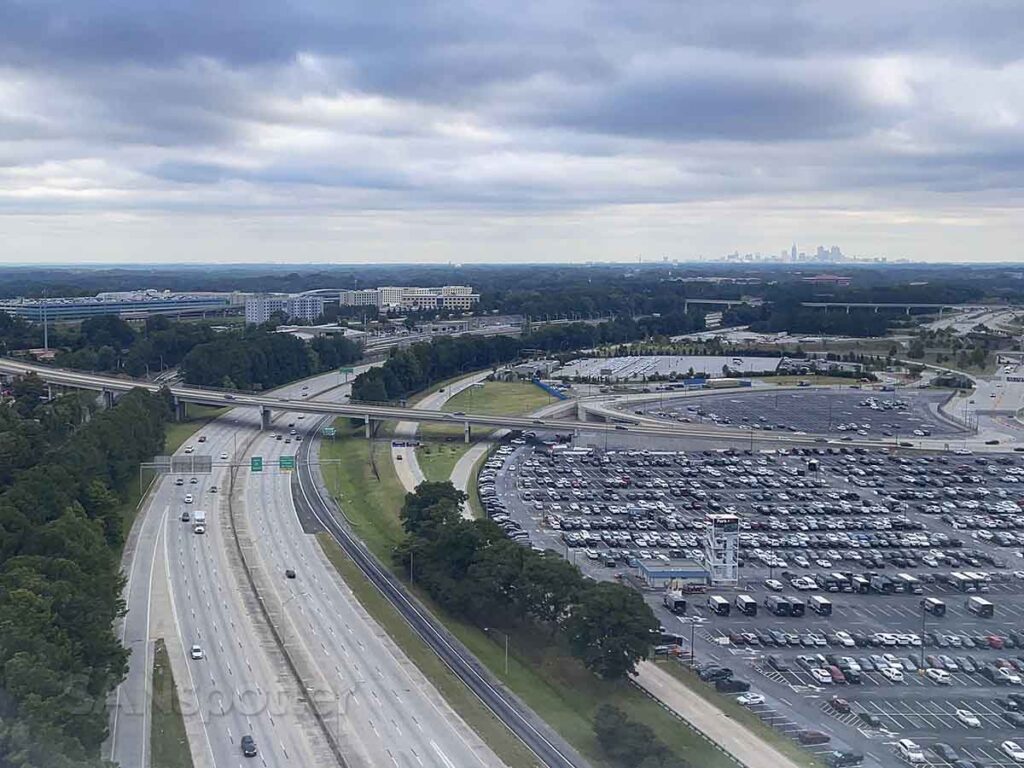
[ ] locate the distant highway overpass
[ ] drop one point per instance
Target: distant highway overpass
(110, 386)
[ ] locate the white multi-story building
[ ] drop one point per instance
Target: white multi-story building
(258, 309)
(722, 548)
(389, 298)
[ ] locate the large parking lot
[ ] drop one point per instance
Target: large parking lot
(874, 533)
(842, 412)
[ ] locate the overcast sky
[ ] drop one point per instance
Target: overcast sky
(156, 130)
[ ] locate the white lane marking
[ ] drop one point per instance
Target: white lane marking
(441, 754)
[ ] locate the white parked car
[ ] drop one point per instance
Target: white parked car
(891, 674)
(845, 639)
(1013, 750)
(774, 585)
(821, 676)
(968, 718)
(750, 699)
(940, 676)
(910, 751)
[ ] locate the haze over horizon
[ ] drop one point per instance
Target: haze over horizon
(574, 131)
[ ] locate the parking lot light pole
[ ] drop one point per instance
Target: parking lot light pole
(924, 615)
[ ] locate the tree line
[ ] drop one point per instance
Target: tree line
(260, 359)
(61, 533)
(476, 572)
(418, 366)
(630, 743)
(107, 343)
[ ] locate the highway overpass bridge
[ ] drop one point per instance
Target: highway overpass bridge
(111, 386)
(906, 306)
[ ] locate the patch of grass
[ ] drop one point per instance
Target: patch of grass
(475, 505)
(371, 500)
(542, 673)
(511, 751)
(740, 714)
(438, 459)
(499, 398)
(168, 743)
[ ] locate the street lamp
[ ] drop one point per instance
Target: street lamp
(505, 635)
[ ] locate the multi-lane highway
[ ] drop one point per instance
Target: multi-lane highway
(379, 708)
(386, 713)
(186, 581)
(391, 413)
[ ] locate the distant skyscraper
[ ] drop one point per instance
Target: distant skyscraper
(792, 252)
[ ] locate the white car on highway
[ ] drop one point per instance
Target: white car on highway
(188, 498)
(750, 699)
(968, 718)
(196, 652)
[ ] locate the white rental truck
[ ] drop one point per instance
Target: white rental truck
(199, 521)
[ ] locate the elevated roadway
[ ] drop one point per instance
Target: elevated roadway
(369, 413)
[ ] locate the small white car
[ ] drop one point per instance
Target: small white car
(188, 498)
(968, 718)
(774, 585)
(1013, 750)
(196, 652)
(940, 676)
(821, 676)
(224, 456)
(750, 699)
(891, 674)
(910, 751)
(845, 639)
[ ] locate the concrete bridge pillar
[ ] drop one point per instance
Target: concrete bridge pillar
(467, 432)
(908, 310)
(180, 410)
(368, 426)
(847, 309)
(265, 416)
(109, 398)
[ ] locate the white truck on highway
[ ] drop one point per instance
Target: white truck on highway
(199, 521)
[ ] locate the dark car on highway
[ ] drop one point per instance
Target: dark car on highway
(248, 745)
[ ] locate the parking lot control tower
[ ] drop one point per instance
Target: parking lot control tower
(722, 548)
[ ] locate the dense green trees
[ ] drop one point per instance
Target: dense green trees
(420, 365)
(631, 744)
(60, 581)
(260, 359)
(475, 571)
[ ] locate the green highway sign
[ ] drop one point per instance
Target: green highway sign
(330, 432)
(348, 371)
(286, 462)
(256, 464)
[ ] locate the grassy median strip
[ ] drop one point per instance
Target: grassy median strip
(168, 744)
(740, 714)
(545, 676)
(494, 733)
